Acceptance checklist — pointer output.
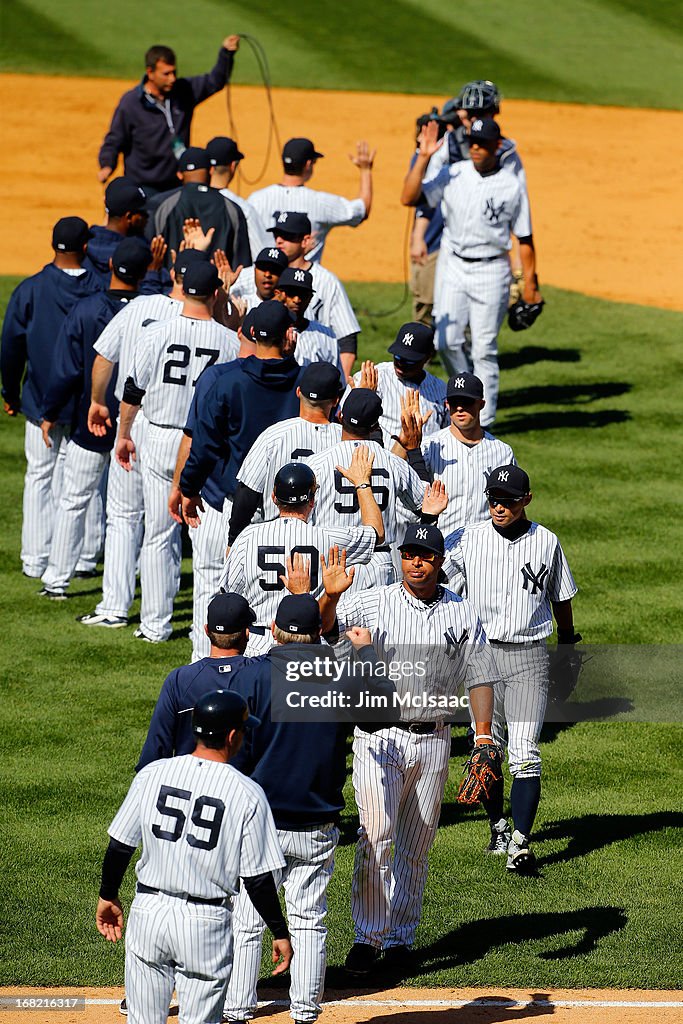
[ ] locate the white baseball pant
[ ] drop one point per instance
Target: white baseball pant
(399, 779)
(161, 547)
(519, 700)
(476, 294)
(83, 478)
(125, 526)
(172, 943)
(310, 861)
(209, 542)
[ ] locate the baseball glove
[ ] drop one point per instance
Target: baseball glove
(523, 315)
(564, 670)
(482, 771)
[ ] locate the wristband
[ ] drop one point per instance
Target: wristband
(360, 487)
(484, 736)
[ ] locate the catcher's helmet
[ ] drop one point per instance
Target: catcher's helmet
(220, 711)
(480, 95)
(294, 484)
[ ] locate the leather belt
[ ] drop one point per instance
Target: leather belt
(218, 901)
(478, 259)
(418, 728)
(261, 630)
(383, 547)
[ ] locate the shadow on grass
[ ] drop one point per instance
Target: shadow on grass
(595, 831)
(537, 354)
(561, 421)
(561, 394)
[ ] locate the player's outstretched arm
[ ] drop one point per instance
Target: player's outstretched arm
(429, 142)
(359, 473)
(527, 254)
(364, 160)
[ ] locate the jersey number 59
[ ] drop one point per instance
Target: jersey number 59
(210, 825)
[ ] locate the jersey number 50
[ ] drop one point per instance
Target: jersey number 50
(268, 555)
(212, 825)
(348, 501)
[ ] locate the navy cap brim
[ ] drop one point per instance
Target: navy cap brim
(252, 722)
(408, 355)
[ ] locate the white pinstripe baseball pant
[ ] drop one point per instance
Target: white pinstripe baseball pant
(519, 700)
(42, 486)
(476, 294)
(161, 547)
(209, 542)
(125, 526)
(164, 931)
(83, 477)
(310, 862)
(398, 779)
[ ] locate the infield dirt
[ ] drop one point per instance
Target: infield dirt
(607, 212)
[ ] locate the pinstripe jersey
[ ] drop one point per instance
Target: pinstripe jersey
(317, 344)
(258, 236)
(397, 488)
(391, 389)
(257, 558)
(446, 634)
(203, 826)
(284, 442)
(479, 211)
(511, 583)
(117, 341)
(170, 357)
(325, 210)
(463, 470)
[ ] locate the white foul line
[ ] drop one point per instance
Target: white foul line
(482, 1001)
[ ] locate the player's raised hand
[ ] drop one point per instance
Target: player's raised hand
(360, 470)
(232, 43)
(282, 951)
(336, 580)
(428, 140)
(227, 275)
(45, 428)
(193, 235)
(99, 418)
(158, 246)
(191, 509)
(364, 158)
(359, 637)
(109, 919)
(298, 578)
(435, 500)
(125, 452)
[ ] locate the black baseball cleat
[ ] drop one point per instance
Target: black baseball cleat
(361, 959)
(396, 960)
(521, 858)
(85, 574)
(501, 837)
(123, 1007)
(53, 595)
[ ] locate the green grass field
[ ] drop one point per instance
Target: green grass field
(591, 51)
(589, 402)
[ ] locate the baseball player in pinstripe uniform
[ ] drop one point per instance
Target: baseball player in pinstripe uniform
(203, 827)
(256, 563)
(257, 283)
(167, 362)
(87, 456)
(324, 209)
(34, 315)
(224, 159)
(411, 351)
(483, 204)
(125, 498)
(399, 771)
(315, 343)
(331, 306)
(516, 575)
(296, 438)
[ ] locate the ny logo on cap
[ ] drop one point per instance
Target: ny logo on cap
(408, 339)
(421, 534)
(282, 218)
(299, 275)
(459, 382)
(503, 475)
(477, 125)
(274, 254)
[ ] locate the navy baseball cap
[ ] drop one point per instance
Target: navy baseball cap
(194, 159)
(70, 234)
(425, 536)
(123, 195)
(464, 385)
(269, 321)
(131, 258)
(508, 482)
(362, 408)
(413, 342)
(321, 381)
(271, 258)
(187, 257)
(298, 151)
(484, 131)
(201, 278)
(229, 613)
(299, 280)
(291, 223)
(298, 613)
(222, 151)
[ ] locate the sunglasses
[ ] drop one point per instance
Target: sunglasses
(408, 554)
(505, 502)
